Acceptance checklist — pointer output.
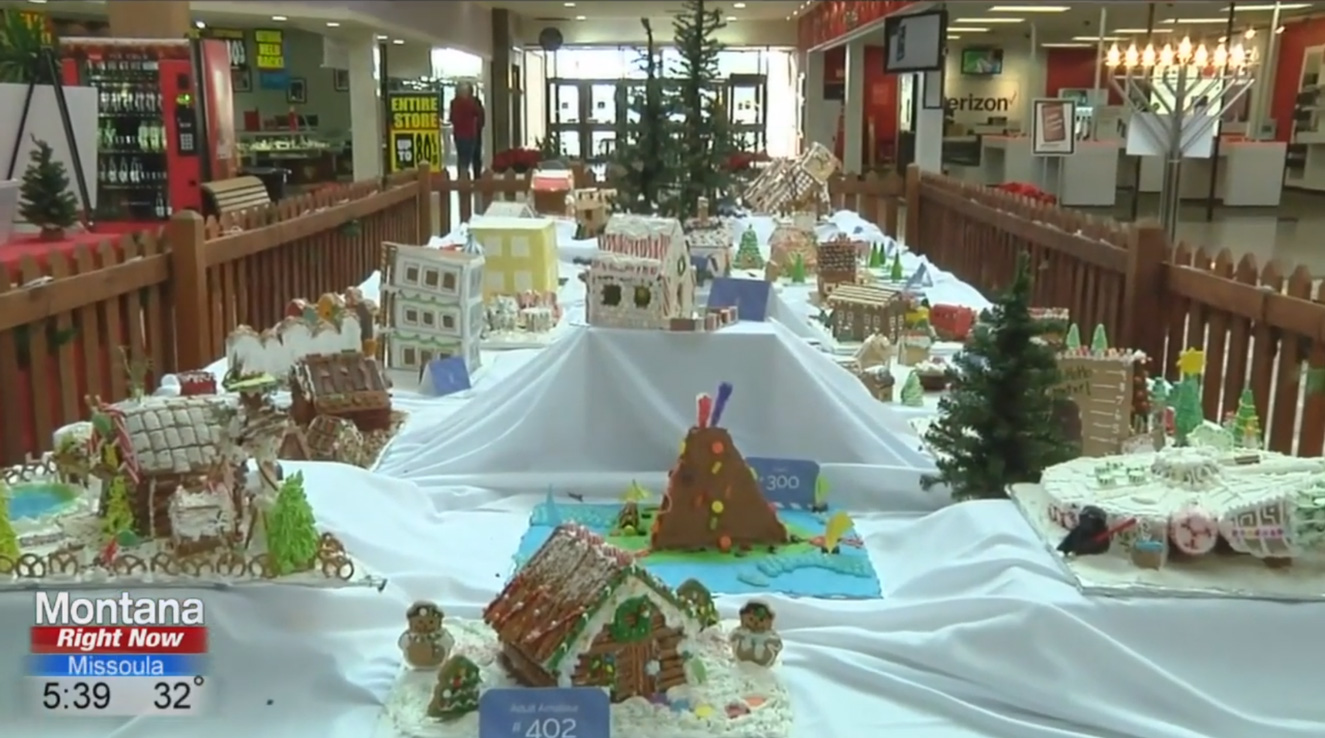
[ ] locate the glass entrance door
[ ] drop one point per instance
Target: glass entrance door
(746, 98)
(566, 116)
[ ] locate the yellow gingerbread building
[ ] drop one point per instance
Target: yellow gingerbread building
(520, 254)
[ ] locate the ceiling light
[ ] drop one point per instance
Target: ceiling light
(333, 24)
(37, 2)
(952, 37)
(1143, 30)
(1280, 29)
(279, 18)
(964, 29)
(990, 20)
(398, 41)
(1068, 46)
(738, 6)
(380, 37)
(199, 24)
(1097, 38)
(731, 18)
(1267, 7)
(1029, 9)
(579, 17)
(1193, 21)
(568, 5)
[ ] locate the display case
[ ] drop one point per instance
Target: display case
(309, 157)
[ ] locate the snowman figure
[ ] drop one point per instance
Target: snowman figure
(426, 643)
(755, 640)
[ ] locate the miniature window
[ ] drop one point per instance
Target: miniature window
(430, 278)
(524, 281)
(643, 296)
(409, 356)
(411, 316)
(449, 281)
(429, 319)
(448, 321)
(519, 247)
(425, 357)
(412, 274)
(495, 281)
(612, 294)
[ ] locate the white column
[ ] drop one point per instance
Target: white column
(853, 111)
(813, 125)
(929, 126)
(365, 107)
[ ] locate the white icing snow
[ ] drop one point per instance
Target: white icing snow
(405, 712)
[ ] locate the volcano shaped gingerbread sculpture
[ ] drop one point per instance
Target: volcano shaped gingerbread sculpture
(713, 501)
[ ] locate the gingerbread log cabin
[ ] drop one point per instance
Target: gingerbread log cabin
(583, 613)
(713, 499)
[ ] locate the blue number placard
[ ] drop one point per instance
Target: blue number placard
(786, 482)
(750, 297)
(572, 712)
(446, 376)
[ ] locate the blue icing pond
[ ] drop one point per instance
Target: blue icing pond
(33, 500)
(800, 569)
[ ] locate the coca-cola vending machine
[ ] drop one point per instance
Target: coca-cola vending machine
(165, 121)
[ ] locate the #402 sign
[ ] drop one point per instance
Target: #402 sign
(786, 482)
(556, 712)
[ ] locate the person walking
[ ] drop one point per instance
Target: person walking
(467, 119)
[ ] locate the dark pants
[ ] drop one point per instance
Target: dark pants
(469, 155)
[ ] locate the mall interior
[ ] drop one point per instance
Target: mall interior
(308, 80)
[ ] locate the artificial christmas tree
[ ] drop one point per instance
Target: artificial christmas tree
(998, 423)
(1099, 341)
(46, 200)
(457, 690)
(8, 538)
(1187, 413)
(747, 253)
(705, 136)
(644, 174)
(1246, 422)
(292, 537)
(1073, 340)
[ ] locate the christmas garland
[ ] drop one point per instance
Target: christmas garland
(633, 620)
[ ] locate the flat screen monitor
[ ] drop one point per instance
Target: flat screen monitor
(915, 42)
(982, 61)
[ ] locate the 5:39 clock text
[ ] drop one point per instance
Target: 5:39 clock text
(79, 696)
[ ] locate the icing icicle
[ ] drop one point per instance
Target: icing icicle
(703, 411)
(724, 394)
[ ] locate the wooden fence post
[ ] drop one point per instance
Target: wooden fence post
(912, 194)
(1143, 291)
(425, 203)
(187, 240)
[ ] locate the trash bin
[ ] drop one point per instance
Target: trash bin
(274, 178)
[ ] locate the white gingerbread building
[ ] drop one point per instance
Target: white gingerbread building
(635, 292)
(659, 239)
(793, 185)
(436, 305)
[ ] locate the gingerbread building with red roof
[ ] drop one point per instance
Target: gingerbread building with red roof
(584, 613)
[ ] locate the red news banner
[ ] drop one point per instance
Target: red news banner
(108, 639)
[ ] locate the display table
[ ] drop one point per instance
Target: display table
(30, 244)
(1084, 178)
(1250, 174)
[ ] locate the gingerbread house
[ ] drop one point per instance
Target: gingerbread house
(1097, 397)
(793, 185)
(583, 613)
(633, 292)
(710, 242)
(347, 385)
(198, 522)
(590, 208)
(334, 439)
(550, 189)
(791, 239)
(713, 500)
(836, 264)
(164, 446)
(509, 209)
(860, 311)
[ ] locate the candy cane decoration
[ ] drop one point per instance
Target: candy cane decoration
(1193, 531)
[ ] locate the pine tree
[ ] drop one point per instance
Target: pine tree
(1073, 340)
(1187, 412)
(8, 537)
(644, 175)
(705, 136)
(46, 199)
(1246, 422)
(457, 690)
(292, 537)
(876, 257)
(747, 253)
(912, 395)
(1099, 341)
(997, 425)
(895, 273)
(796, 272)
(117, 519)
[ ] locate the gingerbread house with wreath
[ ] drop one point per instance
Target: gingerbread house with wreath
(347, 385)
(584, 613)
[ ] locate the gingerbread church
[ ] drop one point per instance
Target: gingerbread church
(713, 499)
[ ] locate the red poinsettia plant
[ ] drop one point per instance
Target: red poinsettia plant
(1028, 190)
(744, 160)
(521, 160)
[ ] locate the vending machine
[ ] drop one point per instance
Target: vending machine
(165, 121)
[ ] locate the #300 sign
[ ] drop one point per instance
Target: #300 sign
(787, 482)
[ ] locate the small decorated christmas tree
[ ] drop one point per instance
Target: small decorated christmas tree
(1073, 340)
(876, 257)
(8, 538)
(747, 253)
(292, 537)
(117, 520)
(1187, 412)
(1246, 422)
(913, 395)
(997, 425)
(457, 690)
(797, 270)
(701, 602)
(46, 200)
(1159, 409)
(895, 273)
(1099, 340)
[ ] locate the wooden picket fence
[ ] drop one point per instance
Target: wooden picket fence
(1261, 326)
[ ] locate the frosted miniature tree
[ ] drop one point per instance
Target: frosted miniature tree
(1187, 413)
(8, 538)
(913, 395)
(1246, 422)
(797, 270)
(747, 253)
(820, 493)
(457, 690)
(876, 257)
(292, 537)
(117, 518)
(1073, 340)
(1159, 406)
(895, 273)
(1099, 341)
(701, 603)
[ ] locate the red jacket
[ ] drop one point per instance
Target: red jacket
(467, 117)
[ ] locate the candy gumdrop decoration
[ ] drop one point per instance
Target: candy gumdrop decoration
(703, 411)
